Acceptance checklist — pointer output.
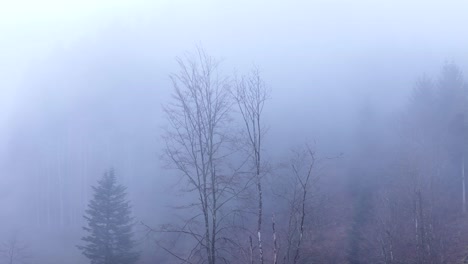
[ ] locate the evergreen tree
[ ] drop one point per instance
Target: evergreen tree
(110, 224)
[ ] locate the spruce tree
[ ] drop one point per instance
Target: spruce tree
(109, 224)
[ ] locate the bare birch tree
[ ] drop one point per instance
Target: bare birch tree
(250, 95)
(302, 165)
(196, 146)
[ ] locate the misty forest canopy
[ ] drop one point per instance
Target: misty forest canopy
(397, 194)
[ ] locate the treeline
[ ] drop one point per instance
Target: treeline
(398, 196)
(404, 195)
(414, 210)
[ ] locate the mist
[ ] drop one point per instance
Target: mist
(84, 85)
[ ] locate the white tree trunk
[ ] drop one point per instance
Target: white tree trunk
(463, 186)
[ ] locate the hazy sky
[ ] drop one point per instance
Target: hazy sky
(297, 43)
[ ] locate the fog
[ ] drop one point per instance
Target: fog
(83, 85)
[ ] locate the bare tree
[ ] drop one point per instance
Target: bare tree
(14, 251)
(250, 95)
(275, 240)
(302, 165)
(197, 146)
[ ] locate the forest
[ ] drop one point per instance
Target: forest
(247, 132)
(404, 200)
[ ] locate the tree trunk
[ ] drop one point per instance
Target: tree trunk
(463, 185)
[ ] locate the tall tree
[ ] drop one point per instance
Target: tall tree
(452, 112)
(250, 95)
(197, 140)
(302, 166)
(109, 224)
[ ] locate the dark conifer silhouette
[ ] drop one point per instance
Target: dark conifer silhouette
(109, 224)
